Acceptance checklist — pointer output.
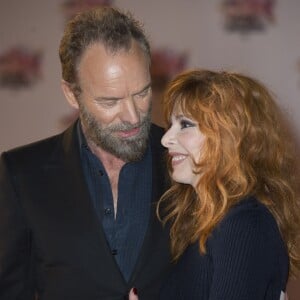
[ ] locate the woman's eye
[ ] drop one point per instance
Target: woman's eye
(186, 124)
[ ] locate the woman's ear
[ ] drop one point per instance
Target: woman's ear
(69, 94)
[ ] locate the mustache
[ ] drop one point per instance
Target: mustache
(125, 126)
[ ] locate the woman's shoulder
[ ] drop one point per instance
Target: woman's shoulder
(249, 209)
(249, 219)
(249, 236)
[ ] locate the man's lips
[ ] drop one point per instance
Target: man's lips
(129, 133)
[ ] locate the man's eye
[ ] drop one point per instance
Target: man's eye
(186, 124)
(144, 93)
(108, 103)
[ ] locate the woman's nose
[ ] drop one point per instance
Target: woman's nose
(168, 139)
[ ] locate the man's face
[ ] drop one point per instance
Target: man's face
(115, 101)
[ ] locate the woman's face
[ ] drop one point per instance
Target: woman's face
(184, 141)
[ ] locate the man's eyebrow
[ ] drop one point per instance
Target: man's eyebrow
(104, 98)
(143, 89)
(111, 98)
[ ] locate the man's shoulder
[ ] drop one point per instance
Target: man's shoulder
(33, 148)
(37, 150)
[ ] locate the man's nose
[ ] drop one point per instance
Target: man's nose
(130, 112)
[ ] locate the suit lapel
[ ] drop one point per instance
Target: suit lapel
(155, 231)
(72, 195)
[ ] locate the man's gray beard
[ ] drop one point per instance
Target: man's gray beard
(128, 149)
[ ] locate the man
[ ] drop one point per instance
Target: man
(77, 210)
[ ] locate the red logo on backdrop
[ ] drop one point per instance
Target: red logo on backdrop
(72, 7)
(248, 15)
(20, 67)
(166, 63)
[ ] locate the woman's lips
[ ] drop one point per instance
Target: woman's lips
(177, 158)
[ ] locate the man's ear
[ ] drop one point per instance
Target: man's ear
(69, 94)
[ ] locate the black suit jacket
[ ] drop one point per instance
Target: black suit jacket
(51, 240)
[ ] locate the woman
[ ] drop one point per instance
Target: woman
(233, 208)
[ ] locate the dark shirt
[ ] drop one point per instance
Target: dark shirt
(245, 259)
(125, 233)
